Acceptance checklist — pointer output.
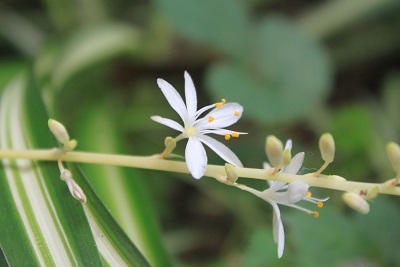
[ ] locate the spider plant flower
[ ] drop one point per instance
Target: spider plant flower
(196, 129)
(282, 193)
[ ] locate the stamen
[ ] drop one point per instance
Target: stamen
(320, 204)
(220, 104)
(237, 113)
(227, 136)
(211, 118)
(235, 134)
(316, 214)
(308, 194)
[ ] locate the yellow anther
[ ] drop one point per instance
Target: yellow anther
(308, 194)
(223, 100)
(316, 214)
(320, 204)
(237, 113)
(211, 118)
(219, 104)
(235, 134)
(227, 136)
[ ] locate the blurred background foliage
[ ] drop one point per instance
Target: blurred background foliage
(299, 68)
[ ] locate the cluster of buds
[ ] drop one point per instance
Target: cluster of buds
(62, 136)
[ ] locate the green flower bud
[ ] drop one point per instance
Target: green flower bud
(274, 151)
(327, 147)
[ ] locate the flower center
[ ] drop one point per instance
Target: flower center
(191, 131)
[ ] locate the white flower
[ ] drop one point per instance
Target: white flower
(282, 193)
(196, 129)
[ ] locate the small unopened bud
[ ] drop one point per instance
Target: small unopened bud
(393, 154)
(327, 147)
(73, 187)
(71, 145)
(372, 193)
(231, 173)
(287, 157)
(170, 144)
(356, 202)
(274, 150)
(76, 191)
(59, 131)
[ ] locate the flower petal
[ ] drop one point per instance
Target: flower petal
(219, 131)
(223, 116)
(297, 190)
(288, 145)
(196, 157)
(295, 164)
(223, 151)
(167, 122)
(279, 233)
(173, 98)
(191, 98)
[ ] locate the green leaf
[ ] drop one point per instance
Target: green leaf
(223, 24)
(90, 46)
(41, 223)
(122, 190)
(287, 75)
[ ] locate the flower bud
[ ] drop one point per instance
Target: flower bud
(231, 173)
(372, 193)
(170, 144)
(73, 187)
(76, 191)
(71, 145)
(274, 150)
(59, 131)
(327, 147)
(393, 154)
(356, 202)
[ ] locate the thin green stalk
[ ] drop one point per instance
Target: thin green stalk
(334, 182)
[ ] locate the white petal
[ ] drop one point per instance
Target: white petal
(218, 131)
(297, 190)
(276, 187)
(173, 98)
(223, 151)
(295, 164)
(224, 116)
(191, 98)
(288, 145)
(196, 157)
(279, 233)
(204, 109)
(167, 122)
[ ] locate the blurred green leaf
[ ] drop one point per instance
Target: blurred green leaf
(91, 46)
(261, 249)
(391, 100)
(287, 75)
(338, 240)
(42, 223)
(352, 149)
(223, 24)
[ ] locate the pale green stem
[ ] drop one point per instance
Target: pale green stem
(154, 163)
